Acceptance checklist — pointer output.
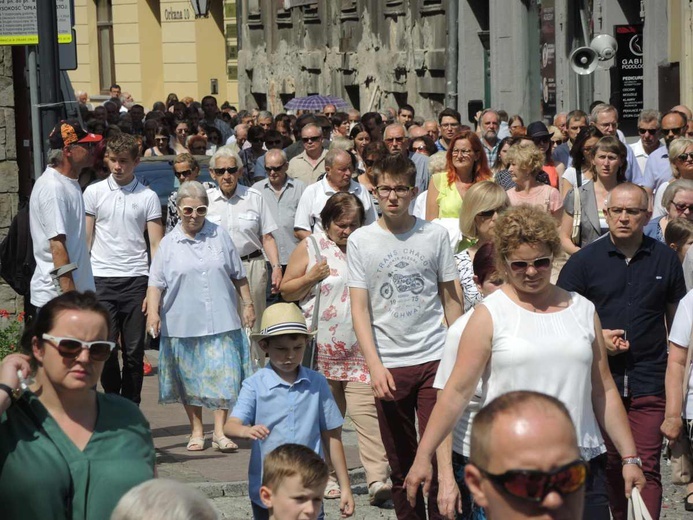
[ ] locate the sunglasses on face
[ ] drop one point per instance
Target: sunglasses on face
(71, 348)
(675, 131)
(651, 131)
(682, 207)
(534, 485)
(184, 173)
(222, 171)
(182, 131)
(161, 139)
(539, 264)
(273, 169)
(685, 157)
(489, 213)
(312, 139)
(187, 211)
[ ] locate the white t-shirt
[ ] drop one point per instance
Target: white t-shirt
(56, 208)
(657, 208)
(120, 216)
(549, 353)
(681, 335)
(401, 274)
(571, 176)
(315, 197)
(461, 435)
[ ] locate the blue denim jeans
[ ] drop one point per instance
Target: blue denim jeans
(470, 510)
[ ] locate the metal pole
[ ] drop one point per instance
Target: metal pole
(49, 68)
(37, 148)
(451, 65)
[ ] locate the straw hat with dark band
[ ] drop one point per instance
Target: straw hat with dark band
(281, 319)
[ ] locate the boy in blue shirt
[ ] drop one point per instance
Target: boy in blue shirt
(287, 403)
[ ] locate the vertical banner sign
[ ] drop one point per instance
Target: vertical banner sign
(629, 65)
(547, 42)
(18, 24)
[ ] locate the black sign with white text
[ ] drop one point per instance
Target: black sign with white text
(629, 63)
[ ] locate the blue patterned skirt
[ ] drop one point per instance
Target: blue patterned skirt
(205, 371)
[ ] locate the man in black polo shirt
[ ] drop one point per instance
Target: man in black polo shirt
(635, 283)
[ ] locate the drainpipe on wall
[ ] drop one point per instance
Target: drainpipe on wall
(451, 64)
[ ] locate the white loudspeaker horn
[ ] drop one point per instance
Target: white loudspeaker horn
(605, 46)
(583, 60)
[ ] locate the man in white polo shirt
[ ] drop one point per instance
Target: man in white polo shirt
(119, 209)
(56, 216)
(339, 168)
(245, 215)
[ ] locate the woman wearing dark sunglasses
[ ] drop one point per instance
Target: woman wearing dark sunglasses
(678, 202)
(532, 335)
(67, 451)
(681, 159)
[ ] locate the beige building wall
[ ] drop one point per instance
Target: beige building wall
(159, 47)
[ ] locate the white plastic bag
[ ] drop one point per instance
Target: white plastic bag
(636, 507)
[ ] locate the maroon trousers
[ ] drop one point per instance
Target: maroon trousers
(415, 398)
(645, 415)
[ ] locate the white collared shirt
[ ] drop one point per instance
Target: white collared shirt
(245, 216)
(315, 197)
(640, 154)
(120, 216)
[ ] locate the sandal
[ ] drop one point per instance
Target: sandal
(688, 505)
(224, 444)
(332, 490)
(196, 444)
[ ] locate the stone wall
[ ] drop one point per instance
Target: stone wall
(9, 172)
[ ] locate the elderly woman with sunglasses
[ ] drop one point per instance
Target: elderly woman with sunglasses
(202, 360)
(185, 168)
(482, 204)
(678, 202)
(532, 335)
(66, 450)
(681, 159)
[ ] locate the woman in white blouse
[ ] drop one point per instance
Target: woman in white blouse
(194, 283)
(532, 335)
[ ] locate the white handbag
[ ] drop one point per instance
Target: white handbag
(636, 507)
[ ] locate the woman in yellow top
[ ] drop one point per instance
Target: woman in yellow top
(466, 165)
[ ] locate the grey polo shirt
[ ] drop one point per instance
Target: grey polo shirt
(283, 206)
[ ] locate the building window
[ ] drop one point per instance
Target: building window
(104, 27)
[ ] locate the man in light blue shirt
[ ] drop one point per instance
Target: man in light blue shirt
(658, 167)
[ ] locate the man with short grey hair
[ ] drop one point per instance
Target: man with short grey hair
(489, 124)
(338, 177)
(282, 195)
(265, 120)
(395, 137)
(560, 121)
(648, 129)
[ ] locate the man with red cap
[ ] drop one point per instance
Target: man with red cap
(57, 218)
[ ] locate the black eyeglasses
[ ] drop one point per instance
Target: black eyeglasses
(369, 162)
(222, 171)
(651, 131)
(273, 143)
(273, 169)
(539, 264)
(184, 173)
(682, 206)
(187, 211)
(71, 348)
(675, 131)
(534, 485)
(311, 139)
(685, 156)
(400, 191)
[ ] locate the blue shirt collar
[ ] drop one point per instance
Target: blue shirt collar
(209, 229)
(275, 380)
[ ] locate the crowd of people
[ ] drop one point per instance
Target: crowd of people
(438, 282)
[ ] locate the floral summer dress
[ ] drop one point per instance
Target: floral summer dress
(338, 355)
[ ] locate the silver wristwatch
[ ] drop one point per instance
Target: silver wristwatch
(632, 460)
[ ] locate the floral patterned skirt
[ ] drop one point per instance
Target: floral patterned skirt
(206, 371)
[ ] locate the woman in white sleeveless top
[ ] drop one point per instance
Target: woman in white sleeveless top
(532, 335)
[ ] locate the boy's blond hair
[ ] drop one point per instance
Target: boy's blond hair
(294, 459)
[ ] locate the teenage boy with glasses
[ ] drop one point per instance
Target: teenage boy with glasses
(403, 282)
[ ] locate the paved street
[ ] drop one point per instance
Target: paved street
(222, 477)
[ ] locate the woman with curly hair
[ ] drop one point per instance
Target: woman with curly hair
(466, 165)
(526, 162)
(533, 335)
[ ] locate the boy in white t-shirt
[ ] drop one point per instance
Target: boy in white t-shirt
(119, 210)
(403, 283)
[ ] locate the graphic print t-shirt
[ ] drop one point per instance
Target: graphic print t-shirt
(401, 274)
